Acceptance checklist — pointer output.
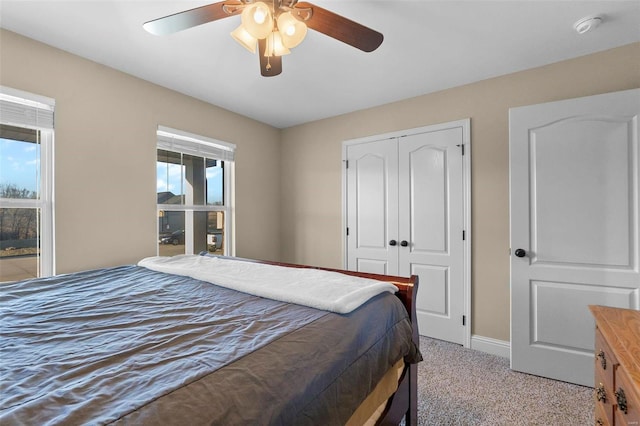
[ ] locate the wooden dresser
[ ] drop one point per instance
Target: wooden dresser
(617, 366)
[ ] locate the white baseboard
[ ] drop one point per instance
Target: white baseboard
(491, 346)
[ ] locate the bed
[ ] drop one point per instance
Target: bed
(209, 340)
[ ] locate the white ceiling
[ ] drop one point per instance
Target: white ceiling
(428, 46)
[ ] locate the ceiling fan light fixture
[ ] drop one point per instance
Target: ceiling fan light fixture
(271, 27)
(246, 40)
(257, 20)
(275, 46)
(291, 29)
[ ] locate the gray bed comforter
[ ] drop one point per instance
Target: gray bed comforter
(132, 346)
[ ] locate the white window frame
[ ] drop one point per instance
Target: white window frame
(27, 110)
(201, 146)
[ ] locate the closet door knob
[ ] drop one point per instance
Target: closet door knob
(520, 253)
(393, 243)
(404, 243)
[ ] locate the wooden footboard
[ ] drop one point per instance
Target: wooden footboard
(404, 403)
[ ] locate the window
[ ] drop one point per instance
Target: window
(194, 192)
(26, 182)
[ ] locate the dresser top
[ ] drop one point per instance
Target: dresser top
(621, 329)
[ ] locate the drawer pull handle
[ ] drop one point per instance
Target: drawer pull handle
(599, 422)
(601, 394)
(603, 359)
(622, 400)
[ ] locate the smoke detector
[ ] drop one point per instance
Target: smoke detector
(587, 24)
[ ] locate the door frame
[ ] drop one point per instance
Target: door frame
(465, 124)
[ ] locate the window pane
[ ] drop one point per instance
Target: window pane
(194, 180)
(19, 243)
(215, 182)
(171, 233)
(189, 179)
(170, 177)
(19, 163)
(215, 232)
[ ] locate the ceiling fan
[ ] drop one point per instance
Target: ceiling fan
(274, 26)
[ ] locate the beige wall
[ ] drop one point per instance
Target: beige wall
(105, 184)
(311, 165)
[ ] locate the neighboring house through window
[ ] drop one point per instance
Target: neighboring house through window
(194, 194)
(26, 185)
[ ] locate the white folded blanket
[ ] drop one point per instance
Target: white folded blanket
(326, 290)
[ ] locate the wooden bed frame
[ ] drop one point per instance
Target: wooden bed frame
(401, 404)
(404, 402)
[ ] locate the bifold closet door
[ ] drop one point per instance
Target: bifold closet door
(405, 216)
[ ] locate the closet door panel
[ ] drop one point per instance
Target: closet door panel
(428, 199)
(431, 222)
(372, 206)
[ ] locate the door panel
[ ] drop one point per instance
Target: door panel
(556, 305)
(434, 290)
(373, 266)
(371, 175)
(603, 192)
(428, 198)
(574, 210)
(372, 207)
(430, 178)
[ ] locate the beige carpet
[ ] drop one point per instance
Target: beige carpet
(458, 386)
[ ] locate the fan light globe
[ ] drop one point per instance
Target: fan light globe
(291, 30)
(245, 39)
(275, 46)
(257, 21)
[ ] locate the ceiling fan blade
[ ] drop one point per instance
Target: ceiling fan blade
(341, 28)
(269, 66)
(193, 17)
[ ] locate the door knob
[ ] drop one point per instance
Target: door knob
(404, 243)
(393, 242)
(520, 253)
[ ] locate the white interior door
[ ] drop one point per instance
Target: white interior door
(574, 227)
(431, 226)
(372, 207)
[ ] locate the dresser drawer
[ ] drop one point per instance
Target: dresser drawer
(605, 362)
(603, 396)
(627, 401)
(601, 418)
